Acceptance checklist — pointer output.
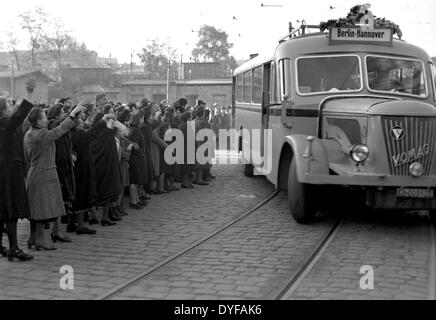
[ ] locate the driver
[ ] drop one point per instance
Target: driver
(384, 82)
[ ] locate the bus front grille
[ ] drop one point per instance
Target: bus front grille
(409, 140)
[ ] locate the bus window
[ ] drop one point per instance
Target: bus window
(273, 84)
(322, 74)
(247, 86)
(239, 88)
(397, 75)
(433, 69)
(257, 84)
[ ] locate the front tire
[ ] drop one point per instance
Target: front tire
(432, 215)
(301, 197)
(249, 170)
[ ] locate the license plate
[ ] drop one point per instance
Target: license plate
(415, 193)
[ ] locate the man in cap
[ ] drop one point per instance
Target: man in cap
(183, 103)
(101, 100)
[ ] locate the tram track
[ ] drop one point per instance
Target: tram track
(305, 267)
(308, 264)
(147, 273)
(291, 286)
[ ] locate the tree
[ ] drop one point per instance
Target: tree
(56, 42)
(34, 22)
(212, 45)
(12, 42)
(156, 57)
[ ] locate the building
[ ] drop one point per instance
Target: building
(85, 76)
(206, 81)
(18, 90)
(208, 90)
(203, 70)
(89, 93)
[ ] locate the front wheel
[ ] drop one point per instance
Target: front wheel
(249, 170)
(301, 197)
(432, 215)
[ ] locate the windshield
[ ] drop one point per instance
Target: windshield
(433, 69)
(396, 75)
(328, 74)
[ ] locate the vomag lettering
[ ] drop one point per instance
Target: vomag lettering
(411, 155)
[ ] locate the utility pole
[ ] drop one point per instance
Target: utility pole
(168, 80)
(12, 80)
(131, 64)
(181, 67)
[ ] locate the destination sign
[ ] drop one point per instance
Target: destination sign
(361, 35)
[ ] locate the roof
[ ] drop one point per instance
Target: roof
(252, 63)
(227, 81)
(19, 74)
(99, 89)
(144, 82)
(319, 44)
(88, 68)
(203, 63)
(205, 81)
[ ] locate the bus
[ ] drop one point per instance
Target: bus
(346, 105)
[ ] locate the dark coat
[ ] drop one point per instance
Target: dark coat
(43, 187)
(138, 173)
(84, 168)
(64, 163)
(13, 195)
(200, 124)
(164, 167)
(187, 168)
(124, 162)
(107, 166)
(147, 133)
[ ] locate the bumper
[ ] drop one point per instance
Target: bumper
(381, 191)
(369, 180)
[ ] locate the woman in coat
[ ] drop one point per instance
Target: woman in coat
(43, 187)
(108, 172)
(147, 133)
(13, 196)
(124, 117)
(155, 152)
(84, 171)
(137, 162)
(166, 170)
(65, 169)
(187, 168)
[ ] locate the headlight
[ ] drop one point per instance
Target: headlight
(359, 153)
(416, 169)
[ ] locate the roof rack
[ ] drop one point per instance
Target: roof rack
(301, 31)
(359, 16)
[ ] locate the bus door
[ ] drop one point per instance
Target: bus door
(266, 94)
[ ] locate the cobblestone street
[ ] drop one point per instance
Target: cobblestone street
(253, 259)
(140, 241)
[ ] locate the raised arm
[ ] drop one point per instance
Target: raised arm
(48, 136)
(21, 112)
(93, 133)
(69, 123)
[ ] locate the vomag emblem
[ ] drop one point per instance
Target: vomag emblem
(397, 133)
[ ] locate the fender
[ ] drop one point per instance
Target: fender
(315, 163)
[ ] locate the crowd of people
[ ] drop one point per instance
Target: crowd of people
(60, 163)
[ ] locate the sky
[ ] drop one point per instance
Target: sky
(122, 27)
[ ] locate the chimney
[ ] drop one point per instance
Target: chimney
(253, 55)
